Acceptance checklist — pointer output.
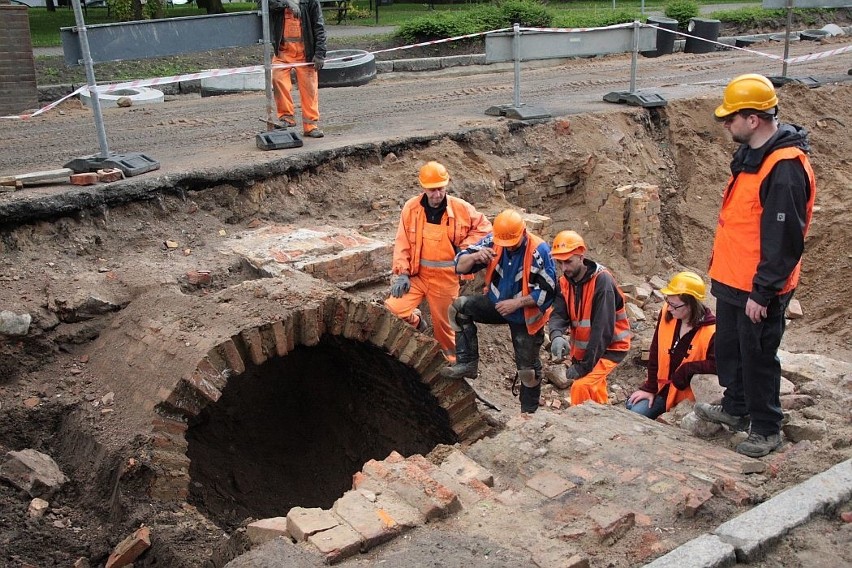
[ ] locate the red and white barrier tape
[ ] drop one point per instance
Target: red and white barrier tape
(572, 30)
(436, 41)
(819, 55)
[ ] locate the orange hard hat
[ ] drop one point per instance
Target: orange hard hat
(509, 228)
(566, 244)
(749, 91)
(688, 283)
(434, 175)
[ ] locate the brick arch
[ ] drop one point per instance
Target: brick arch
(358, 321)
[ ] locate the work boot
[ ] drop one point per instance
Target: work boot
(715, 413)
(421, 321)
(315, 133)
(757, 446)
(529, 398)
(467, 355)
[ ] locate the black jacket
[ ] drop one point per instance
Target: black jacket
(784, 194)
(313, 27)
(605, 302)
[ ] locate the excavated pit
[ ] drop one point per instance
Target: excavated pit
(292, 431)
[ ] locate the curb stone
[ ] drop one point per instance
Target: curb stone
(750, 535)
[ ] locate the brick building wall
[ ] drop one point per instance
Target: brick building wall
(17, 66)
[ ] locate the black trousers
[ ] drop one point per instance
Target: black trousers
(748, 365)
(527, 347)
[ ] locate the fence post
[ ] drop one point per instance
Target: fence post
(90, 79)
(516, 55)
(267, 63)
(634, 58)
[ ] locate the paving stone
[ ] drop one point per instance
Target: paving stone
(549, 484)
(302, 522)
(263, 530)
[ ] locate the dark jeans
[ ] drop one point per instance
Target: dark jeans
(480, 309)
(748, 366)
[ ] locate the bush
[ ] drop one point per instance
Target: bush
(526, 13)
(437, 25)
(682, 11)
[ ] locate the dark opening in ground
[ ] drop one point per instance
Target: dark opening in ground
(294, 430)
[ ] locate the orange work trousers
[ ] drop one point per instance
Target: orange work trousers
(292, 50)
(437, 283)
(593, 385)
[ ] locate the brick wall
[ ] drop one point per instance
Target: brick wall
(17, 66)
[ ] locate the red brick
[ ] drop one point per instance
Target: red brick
(199, 277)
(89, 178)
(110, 175)
(130, 548)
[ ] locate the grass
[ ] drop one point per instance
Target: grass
(44, 25)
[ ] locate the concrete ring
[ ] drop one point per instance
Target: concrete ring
(353, 67)
(137, 96)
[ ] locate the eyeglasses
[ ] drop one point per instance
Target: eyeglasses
(672, 306)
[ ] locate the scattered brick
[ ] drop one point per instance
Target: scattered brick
(549, 484)
(110, 175)
(199, 277)
(337, 543)
(130, 548)
(90, 178)
(263, 530)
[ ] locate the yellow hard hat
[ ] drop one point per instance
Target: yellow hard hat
(434, 175)
(566, 244)
(686, 283)
(749, 91)
(509, 228)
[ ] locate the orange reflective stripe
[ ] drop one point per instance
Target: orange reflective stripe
(581, 321)
(736, 247)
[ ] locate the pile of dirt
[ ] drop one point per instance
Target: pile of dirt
(50, 402)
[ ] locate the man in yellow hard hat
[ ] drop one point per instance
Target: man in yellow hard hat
(766, 211)
(590, 307)
(520, 286)
(432, 228)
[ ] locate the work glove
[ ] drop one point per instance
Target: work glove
(559, 348)
(400, 286)
(572, 374)
(319, 62)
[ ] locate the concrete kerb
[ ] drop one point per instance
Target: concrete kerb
(749, 536)
(54, 92)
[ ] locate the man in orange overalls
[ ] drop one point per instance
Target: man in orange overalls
(432, 228)
(590, 307)
(298, 36)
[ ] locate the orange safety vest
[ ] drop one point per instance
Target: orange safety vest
(533, 317)
(466, 226)
(697, 351)
(581, 321)
(736, 248)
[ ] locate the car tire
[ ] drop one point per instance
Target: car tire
(813, 35)
(347, 68)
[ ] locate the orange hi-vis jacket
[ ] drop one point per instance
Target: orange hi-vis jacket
(736, 249)
(533, 317)
(697, 351)
(581, 319)
(465, 227)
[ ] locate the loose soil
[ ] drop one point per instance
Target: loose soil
(48, 400)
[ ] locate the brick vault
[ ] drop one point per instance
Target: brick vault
(272, 393)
